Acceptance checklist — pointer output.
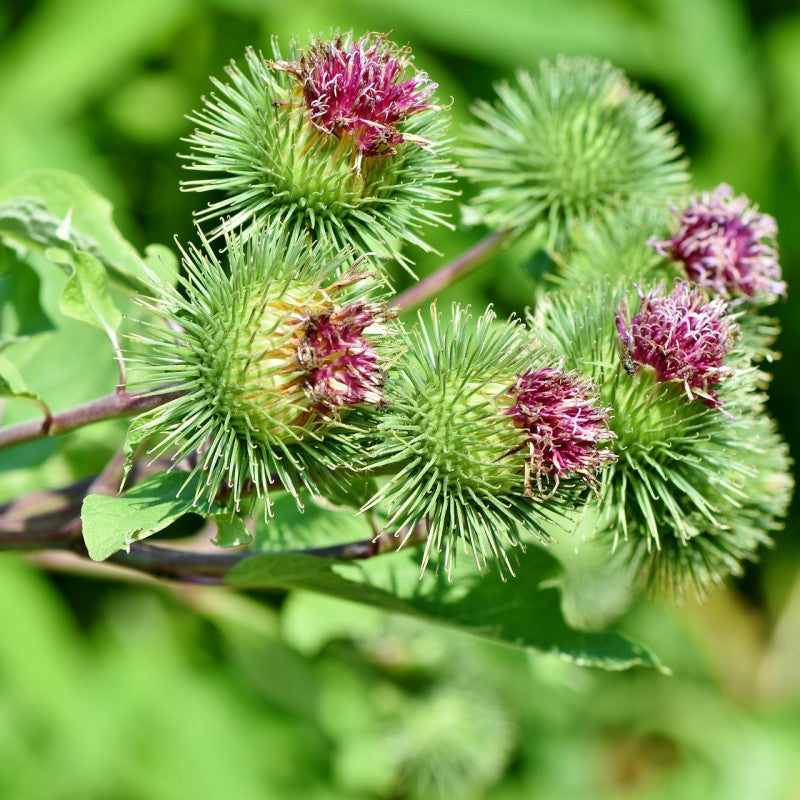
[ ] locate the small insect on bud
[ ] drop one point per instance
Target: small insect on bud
(683, 336)
(725, 244)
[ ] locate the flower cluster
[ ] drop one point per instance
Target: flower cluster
(291, 370)
(360, 89)
(564, 424)
(726, 244)
(683, 336)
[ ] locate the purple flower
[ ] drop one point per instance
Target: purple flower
(728, 246)
(360, 89)
(339, 362)
(682, 336)
(564, 422)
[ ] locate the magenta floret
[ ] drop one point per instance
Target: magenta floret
(724, 243)
(561, 414)
(340, 361)
(683, 336)
(363, 88)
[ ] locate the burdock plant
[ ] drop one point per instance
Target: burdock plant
(276, 374)
(479, 434)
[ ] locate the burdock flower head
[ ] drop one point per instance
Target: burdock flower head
(566, 148)
(364, 89)
(726, 244)
(272, 351)
(682, 335)
(480, 433)
(341, 139)
(564, 423)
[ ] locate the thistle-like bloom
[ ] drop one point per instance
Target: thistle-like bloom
(360, 89)
(341, 140)
(724, 243)
(567, 148)
(271, 350)
(683, 336)
(564, 423)
(340, 359)
(460, 434)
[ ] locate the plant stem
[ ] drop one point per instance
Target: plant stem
(185, 565)
(212, 568)
(460, 267)
(116, 404)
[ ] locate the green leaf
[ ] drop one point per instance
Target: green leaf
(520, 612)
(48, 207)
(29, 221)
(231, 531)
(162, 262)
(13, 385)
(111, 524)
(315, 525)
(85, 296)
(21, 312)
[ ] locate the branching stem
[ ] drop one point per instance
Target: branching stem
(116, 404)
(459, 268)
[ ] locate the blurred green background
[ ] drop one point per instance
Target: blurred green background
(117, 690)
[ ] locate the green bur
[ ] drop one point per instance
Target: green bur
(245, 408)
(457, 455)
(568, 147)
(256, 146)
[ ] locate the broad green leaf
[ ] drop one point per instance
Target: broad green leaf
(314, 526)
(81, 216)
(231, 531)
(520, 612)
(596, 583)
(21, 312)
(85, 296)
(29, 221)
(111, 524)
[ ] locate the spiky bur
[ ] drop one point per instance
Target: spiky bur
(598, 251)
(478, 433)
(567, 148)
(683, 336)
(725, 244)
(711, 553)
(679, 500)
(340, 140)
(275, 354)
